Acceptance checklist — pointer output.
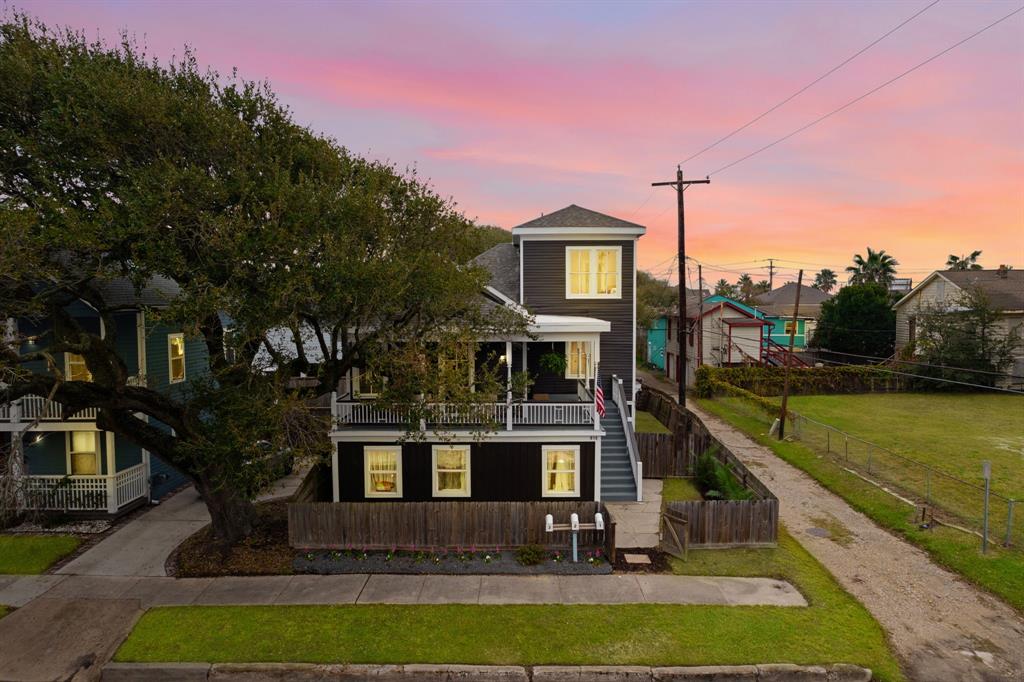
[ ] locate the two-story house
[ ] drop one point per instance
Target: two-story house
(68, 463)
(574, 271)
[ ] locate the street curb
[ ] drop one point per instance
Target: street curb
(303, 672)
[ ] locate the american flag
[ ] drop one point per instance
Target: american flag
(599, 396)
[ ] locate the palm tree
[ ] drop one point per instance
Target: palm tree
(723, 288)
(762, 287)
(825, 280)
(745, 287)
(964, 262)
(878, 268)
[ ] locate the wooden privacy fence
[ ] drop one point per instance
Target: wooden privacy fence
(660, 456)
(725, 523)
(438, 525)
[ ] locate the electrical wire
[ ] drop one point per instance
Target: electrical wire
(926, 378)
(922, 364)
(866, 94)
(814, 82)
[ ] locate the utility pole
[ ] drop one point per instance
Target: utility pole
(771, 273)
(789, 358)
(680, 187)
(700, 315)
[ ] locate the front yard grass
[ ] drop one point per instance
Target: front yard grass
(1001, 571)
(834, 628)
(33, 554)
(647, 423)
(679, 490)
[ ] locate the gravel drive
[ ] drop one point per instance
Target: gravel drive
(942, 627)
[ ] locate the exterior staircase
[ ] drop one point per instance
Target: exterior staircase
(617, 482)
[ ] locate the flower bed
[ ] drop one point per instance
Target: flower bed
(466, 562)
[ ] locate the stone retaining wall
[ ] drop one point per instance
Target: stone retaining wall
(303, 672)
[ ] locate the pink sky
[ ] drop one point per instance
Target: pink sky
(515, 109)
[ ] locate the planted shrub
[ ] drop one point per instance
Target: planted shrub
(530, 555)
(715, 481)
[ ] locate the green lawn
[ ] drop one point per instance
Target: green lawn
(32, 554)
(953, 432)
(646, 423)
(679, 490)
(1000, 571)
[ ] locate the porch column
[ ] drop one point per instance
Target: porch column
(597, 470)
(111, 473)
(526, 388)
(335, 483)
(508, 392)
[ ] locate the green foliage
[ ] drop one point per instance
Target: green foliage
(521, 383)
(723, 288)
(968, 262)
(553, 362)
(531, 555)
(825, 280)
(965, 334)
(484, 237)
(860, 320)
(755, 382)
(715, 480)
(654, 297)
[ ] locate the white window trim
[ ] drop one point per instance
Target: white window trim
(355, 386)
(544, 449)
(592, 285)
(170, 362)
(368, 490)
(590, 361)
(67, 366)
(433, 469)
(68, 440)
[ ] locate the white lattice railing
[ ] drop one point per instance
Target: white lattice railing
(522, 414)
(85, 493)
(130, 484)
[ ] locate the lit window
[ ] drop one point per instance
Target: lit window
(561, 468)
(787, 328)
(176, 357)
(383, 465)
(451, 470)
(76, 369)
(593, 272)
(577, 356)
(367, 384)
(83, 453)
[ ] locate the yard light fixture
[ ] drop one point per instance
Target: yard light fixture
(549, 524)
(598, 521)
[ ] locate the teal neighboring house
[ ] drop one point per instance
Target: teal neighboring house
(776, 307)
(71, 465)
(657, 335)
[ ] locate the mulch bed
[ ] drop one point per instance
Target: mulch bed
(265, 552)
(659, 561)
(411, 563)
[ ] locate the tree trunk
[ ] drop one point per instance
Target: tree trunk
(231, 513)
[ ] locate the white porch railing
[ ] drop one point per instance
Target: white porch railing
(352, 412)
(32, 407)
(619, 397)
(85, 493)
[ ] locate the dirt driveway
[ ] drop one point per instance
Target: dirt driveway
(942, 627)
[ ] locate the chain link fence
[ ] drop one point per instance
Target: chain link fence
(951, 499)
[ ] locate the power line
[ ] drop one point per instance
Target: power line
(814, 82)
(926, 378)
(866, 94)
(922, 364)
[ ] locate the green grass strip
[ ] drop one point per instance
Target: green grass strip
(33, 554)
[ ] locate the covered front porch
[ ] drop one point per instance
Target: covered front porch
(550, 377)
(74, 467)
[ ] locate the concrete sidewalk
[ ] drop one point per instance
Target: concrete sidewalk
(638, 524)
(407, 589)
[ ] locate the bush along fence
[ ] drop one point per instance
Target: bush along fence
(768, 381)
(442, 525)
(751, 519)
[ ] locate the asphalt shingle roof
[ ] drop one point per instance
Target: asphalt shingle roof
(1005, 291)
(786, 295)
(577, 216)
(502, 261)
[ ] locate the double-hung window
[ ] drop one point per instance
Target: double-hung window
(577, 357)
(176, 357)
(451, 470)
(83, 453)
(75, 369)
(366, 384)
(593, 272)
(561, 468)
(383, 467)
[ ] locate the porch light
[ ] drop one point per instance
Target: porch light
(502, 359)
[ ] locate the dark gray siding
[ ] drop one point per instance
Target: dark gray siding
(544, 292)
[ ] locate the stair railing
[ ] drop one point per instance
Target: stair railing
(619, 398)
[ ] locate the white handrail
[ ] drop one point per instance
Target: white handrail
(619, 396)
(523, 414)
